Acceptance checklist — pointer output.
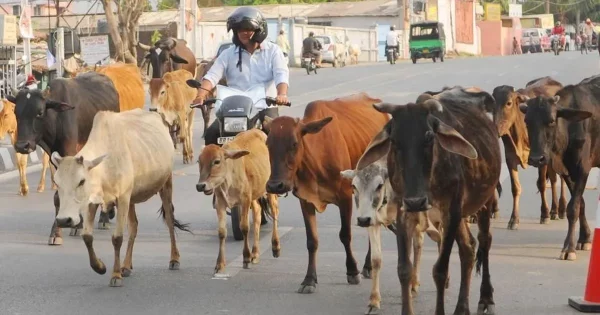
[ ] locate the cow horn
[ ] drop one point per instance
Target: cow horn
(14, 91)
(386, 107)
(144, 46)
(423, 97)
(433, 105)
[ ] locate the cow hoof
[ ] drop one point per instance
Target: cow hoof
(276, 253)
(553, 216)
(55, 240)
(483, 309)
(414, 290)
(54, 187)
(372, 310)
(561, 216)
(255, 260)
(125, 272)
(513, 225)
(116, 282)
(99, 268)
(246, 265)
(173, 265)
(353, 279)
(103, 225)
(584, 246)
(307, 289)
(75, 232)
(496, 215)
(41, 188)
(366, 273)
(544, 220)
(24, 191)
(571, 256)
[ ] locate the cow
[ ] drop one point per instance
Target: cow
(121, 169)
(307, 156)
(171, 96)
(60, 119)
(377, 205)
(237, 173)
(563, 138)
(8, 124)
(354, 52)
(128, 82)
(443, 154)
(169, 54)
(513, 132)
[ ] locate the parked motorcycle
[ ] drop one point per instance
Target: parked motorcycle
(238, 111)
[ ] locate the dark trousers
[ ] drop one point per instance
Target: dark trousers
(212, 132)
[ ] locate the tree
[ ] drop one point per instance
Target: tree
(167, 5)
(123, 26)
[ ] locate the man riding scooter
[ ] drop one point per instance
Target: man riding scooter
(559, 31)
(392, 39)
(311, 47)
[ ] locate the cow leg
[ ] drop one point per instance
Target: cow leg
(166, 196)
(486, 294)
(56, 232)
(132, 228)
(274, 208)
(515, 184)
(551, 174)
(245, 227)
(453, 217)
(221, 215)
(368, 267)
(541, 185)
(352, 274)
(417, 242)
(309, 285)
(88, 228)
(123, 207)
(22, 166)
(375, 244)
(206, 117)
(104, 220)
(190, 134)
(573, 210)
(256, 219)
(584, 242)
(562, 202)
(45, 163)
(405, 266)
(466, 251)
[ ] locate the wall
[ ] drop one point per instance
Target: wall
(491, 35)
(467, 34)
(358, 21)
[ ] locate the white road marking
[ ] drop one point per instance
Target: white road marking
(34, 157)
(5, 154)
(236, 265)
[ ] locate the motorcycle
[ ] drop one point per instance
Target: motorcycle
(391, 55)
(309, 63)
(555, 44)
(238, 111)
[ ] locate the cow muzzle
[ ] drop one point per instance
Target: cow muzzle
(25, 147)
(277, 187)
(202, 187)
(364, 221)
(416, 204)
(68, 222)
(537, 161)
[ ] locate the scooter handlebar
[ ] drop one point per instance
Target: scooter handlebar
(271, 101)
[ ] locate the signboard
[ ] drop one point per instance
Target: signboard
(94, 49)
(8, 30)
(492, 11)
(515, 10)
(25, 21)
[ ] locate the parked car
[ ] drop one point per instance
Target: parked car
(535, 40)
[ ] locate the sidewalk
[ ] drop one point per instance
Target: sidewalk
(8, 159)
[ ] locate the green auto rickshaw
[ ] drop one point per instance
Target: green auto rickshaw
(427, 40)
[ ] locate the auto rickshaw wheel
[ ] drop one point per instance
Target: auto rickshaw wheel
(433, 58)
(414, 59)
(441, 56)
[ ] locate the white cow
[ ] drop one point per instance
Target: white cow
(354, 52)
(376, 206)
(127, 159)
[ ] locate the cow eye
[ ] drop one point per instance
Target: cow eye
(509, 104)
(379, 187)
(162, 92)
(40, 114)
(81, 183)
(353, 187)
(216, 162)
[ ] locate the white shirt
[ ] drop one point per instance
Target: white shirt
(267, 66)
(392, 38)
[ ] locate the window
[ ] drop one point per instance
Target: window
(16, 10)
(320, 23)
(37, 10)
(323, 39)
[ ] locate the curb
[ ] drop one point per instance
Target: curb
(8, 158)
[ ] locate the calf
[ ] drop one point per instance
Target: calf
(8, 124)
(122, 169)
(511, 128)
(445, 155)
(60, 120)
(237, 173)
(307, 156)
(564, 139)
(377, 206)
(171, 96)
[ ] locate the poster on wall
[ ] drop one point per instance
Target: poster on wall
(94, 49)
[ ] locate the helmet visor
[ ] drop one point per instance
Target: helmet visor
(244, 23)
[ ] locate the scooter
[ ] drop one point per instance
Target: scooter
(391, 55)
(238, 111)
(309, 63)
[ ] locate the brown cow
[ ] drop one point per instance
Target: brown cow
(445, 155)
(307, 156)
(511, 128)
(171, 96)
(237, 173)
(8, 124)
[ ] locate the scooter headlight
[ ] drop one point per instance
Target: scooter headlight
(235, 124)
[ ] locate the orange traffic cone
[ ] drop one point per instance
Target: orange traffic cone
(590, 303)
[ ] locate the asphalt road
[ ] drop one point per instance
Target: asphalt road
(528, 279)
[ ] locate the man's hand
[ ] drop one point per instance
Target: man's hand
(201, 97)
(282, 99)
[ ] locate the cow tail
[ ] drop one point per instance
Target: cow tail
(499, 189)
(181, 226)
(266, 209)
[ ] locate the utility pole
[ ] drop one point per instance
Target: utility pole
(182, 19)
(26, 40)
(547, 6)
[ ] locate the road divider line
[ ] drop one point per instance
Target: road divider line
(236, 265)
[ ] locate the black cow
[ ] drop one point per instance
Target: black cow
(60, 120)
(445, 153)
(560, 134)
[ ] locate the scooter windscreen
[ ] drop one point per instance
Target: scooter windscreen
(256, 94)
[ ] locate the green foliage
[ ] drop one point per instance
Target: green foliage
(156, 36)
(167, 5)
(147, 6)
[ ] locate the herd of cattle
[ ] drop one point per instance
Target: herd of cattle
(432, 166)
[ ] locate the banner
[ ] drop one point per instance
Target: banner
(25, 21)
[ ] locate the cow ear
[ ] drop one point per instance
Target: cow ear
(177, 59)
(91, 164)
(58, 106)
(235, 154)
(522, 98)
(377, 149)
(573, 115)
(193, 83)
(349, 174)
(523, 108)
(453, 141)
(11, 99)
(315, 126)
(56, 158)
(267, 124)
